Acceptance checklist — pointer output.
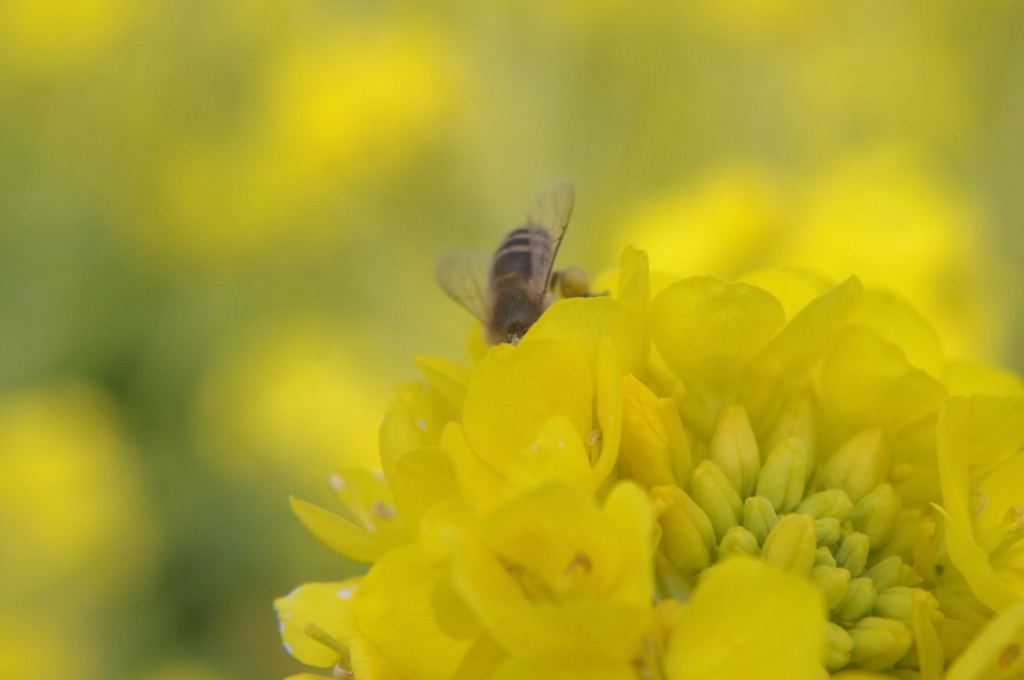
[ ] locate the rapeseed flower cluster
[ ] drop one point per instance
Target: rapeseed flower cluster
(775, 477)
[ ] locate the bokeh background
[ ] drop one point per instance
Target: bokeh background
(219, 219)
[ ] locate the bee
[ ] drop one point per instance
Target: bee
(511, 289)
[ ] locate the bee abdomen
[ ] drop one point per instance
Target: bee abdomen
(514, 257)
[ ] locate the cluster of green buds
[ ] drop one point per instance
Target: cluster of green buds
(770, 500)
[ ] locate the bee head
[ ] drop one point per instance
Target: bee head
(512, 318)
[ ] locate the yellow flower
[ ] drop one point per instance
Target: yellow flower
(339, 108)
(292, 400)
(980, 439)
(730, 479)
(45, 37)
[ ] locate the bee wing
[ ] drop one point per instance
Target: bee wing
(465, 277)
(548, 218)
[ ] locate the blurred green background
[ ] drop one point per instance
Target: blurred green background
(219, 219)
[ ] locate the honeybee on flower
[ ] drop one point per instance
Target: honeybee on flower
(509, 291)
(761, 501)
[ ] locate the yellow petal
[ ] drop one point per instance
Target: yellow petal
(369, 501)
(930, 656)
(557, 455)
(480, 484)
(329, 606)
(449, 378)
(394, 607)
(564, 666)
(899, 323)
(368, 663)
(748, 620)
(964, 378)
(339, 534)
(975, 435)
(996, 653)
(609, 409)
(516, 390)
(414, 418)
(631, 518)
(586, 321)
(634, 285)
(793, 287)
(868, 381)
(481, 660)
(645, 454)
(548, 528)
(549, 570)
(707, 330)
(422, 478)
(974, 564)
(809, 333)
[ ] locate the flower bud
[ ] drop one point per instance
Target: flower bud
(782, 479)
(859, 465)
(678, 441)
(832, 582)
(823, 557)
(827, 531)
(716, 497)
(853, 553)
(888, 573)
(858, 601)
(644, 449)
(759, 517)
(687, 539)
(832, 503)
(797, 420)
(738, 541)
(879, 643)
(838, 645)
(734, 449)
(897, 602)
(875, 514)
(791, 545)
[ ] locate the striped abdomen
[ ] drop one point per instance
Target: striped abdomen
(517, 296)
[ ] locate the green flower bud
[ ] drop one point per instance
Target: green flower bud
(715, 495)
(797, 420)
(832, 503)
(875, 515)
(734, 449)
(858, 601)
(879, 643)
(853, 553)
(791, 545)
(888, 573)
(738, 541)
(687, 537)
(859, 465)
(838, 645)
(823, 557)
(897, 602)
(759, 517)
(827, 531)
(832, 582)
(782, 479)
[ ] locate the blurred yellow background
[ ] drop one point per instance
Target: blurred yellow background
(219, 220)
